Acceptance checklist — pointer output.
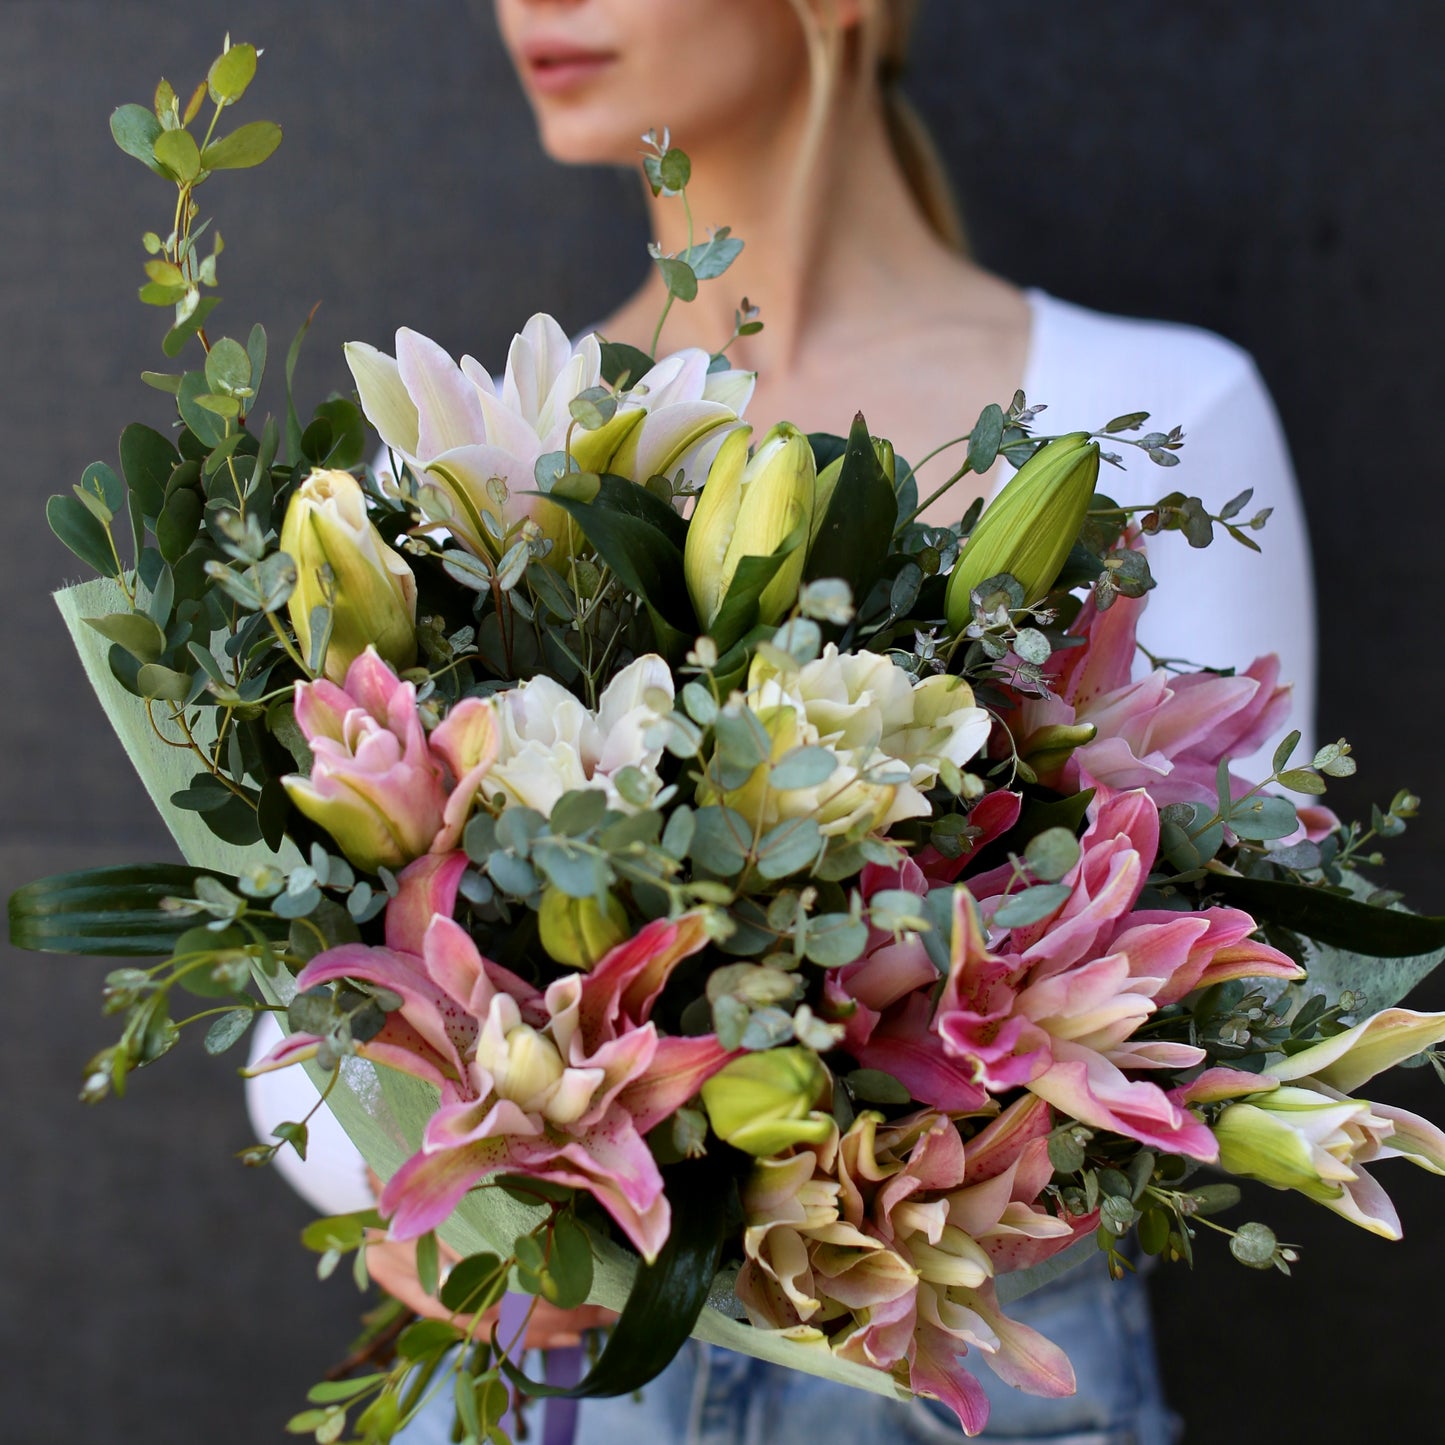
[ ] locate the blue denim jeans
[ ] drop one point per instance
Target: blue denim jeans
(709, 1396)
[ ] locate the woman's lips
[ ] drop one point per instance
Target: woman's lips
(554, 68)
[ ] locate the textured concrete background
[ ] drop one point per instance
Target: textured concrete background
(1268, 171)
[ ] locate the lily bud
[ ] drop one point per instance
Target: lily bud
(1048, 748)
(752, 508)
(1029, 528)
(764, 1103)
(576, 931)
(374, 593)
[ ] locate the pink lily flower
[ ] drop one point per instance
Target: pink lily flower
(891, 1235)
(885, 998)
(379, 786)
(1163, 732)
(375, 785)
(560, 1085)
(1056, 1006)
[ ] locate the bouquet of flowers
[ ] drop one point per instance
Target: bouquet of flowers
(699, 885)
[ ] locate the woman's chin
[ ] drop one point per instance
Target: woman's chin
(583, 136)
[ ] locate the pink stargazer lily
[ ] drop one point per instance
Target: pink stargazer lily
(560, 1085)
(1055, 1006)
(383, 789)
(1163, 732)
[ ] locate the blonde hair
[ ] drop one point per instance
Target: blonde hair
(874, 53)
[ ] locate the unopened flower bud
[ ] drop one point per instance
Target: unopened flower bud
(765, 1102)
(576, 931)
(1030, 527)
(371, 588)
(752, 508)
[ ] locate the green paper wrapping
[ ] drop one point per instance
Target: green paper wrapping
(382, 1111)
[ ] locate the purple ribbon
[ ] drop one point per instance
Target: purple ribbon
(561, 1367)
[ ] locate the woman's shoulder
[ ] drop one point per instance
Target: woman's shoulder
(1083, 361)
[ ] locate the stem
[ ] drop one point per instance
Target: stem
(687, 211)
(923, 506)
(289, 646)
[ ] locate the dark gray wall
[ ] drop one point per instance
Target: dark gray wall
(1268, 171)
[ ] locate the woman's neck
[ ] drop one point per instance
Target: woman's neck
(825, 252)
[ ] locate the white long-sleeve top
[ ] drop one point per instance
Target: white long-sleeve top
(1217, 606)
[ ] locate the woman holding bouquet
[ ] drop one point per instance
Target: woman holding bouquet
(802, 143)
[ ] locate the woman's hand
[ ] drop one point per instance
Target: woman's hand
(392, 1264)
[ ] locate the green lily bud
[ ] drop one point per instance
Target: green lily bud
(576, 931)
(373, 590)
(752, 508)
(1029, 528)
(1048, 748)
(764, 1103)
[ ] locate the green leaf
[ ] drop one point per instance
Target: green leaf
(568, 1280)
(346, 435)
(133, 631)
(674, 168)
(985, 438)
(720, 840)
(79, 529)
(1332, 918)
(425, 1338)
(177, 152)
(228, 367)
(680, 278)
(114, 911)
(667, 1295)
(788, 847)
(162, 381)
(802, 767)
(474, 1284)
(246, 146)
(1302, 780)
(620, 359)
(857, 529)
(834, 939)
(209, 429)
(293, 422)
(1032, 905)
(428, 1262)
(147, 460)
(1261, 818)
(175, 339)
(256, 351)
(231, 73)
(641, 538)
(710, 258)
(178, 523)
(230, 1028)
(873, 1086)
(163, 682)
(135, 130)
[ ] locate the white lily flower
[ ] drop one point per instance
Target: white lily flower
(476, 445)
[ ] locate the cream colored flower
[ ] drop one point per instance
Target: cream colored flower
(888, 735)
(550, 743)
